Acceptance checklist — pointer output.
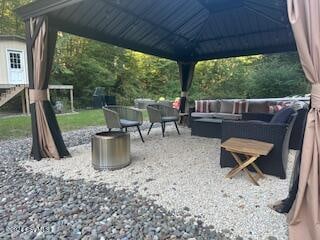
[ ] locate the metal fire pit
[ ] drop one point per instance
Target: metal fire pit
(110, 150)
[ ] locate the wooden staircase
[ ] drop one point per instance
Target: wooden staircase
(10, 93)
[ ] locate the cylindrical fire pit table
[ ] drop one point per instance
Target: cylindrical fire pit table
(110, 150)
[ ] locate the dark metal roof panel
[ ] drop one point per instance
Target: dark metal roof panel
(175, 29)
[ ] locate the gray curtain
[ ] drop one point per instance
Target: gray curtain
(47, 139)
(186, 71)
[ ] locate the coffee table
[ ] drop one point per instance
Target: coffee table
(206, 127)
(251, 150)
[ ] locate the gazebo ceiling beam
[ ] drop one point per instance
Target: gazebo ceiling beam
(135, 22)
(125, 10)
(242, 35)
(247, 52)
(260, 13)
(39, 8)
(273, 8)
(103, 37)
(179, 27)
(196, 41)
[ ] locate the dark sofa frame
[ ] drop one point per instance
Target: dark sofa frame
(296, 137)
(275, 163)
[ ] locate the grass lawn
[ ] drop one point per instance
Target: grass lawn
(20, 126)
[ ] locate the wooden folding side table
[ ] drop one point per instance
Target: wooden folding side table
(251, 150)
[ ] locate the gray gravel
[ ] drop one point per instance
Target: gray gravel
(186, 179)
(38, 206)
(19, 149)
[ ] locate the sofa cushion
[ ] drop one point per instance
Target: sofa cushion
(227, 116)
(226, 106)
(258, 106)
(214, 106)
(283, 116)
(240, 106)
(200, 114)
(169, 119)
(202, 106)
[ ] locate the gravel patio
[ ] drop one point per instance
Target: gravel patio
(174, 188)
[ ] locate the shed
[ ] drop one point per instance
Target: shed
(13, 60)
(14, 79)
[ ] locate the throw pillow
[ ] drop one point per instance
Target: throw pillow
(202, 106)
(283, 116)
(275, 108)
(280, 105)
(240, 106)
(296, 105)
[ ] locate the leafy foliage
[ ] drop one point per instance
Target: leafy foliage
(277, 76)
(10, 24)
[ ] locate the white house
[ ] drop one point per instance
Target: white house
(13, 60)
(14, 78)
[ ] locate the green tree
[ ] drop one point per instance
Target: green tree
(277, 75)
(10, 23)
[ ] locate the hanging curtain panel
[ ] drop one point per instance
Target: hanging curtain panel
(47, 139)
(186, 70)
(304, 216)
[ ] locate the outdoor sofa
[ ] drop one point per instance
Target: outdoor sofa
(207, 123)
(229, 109)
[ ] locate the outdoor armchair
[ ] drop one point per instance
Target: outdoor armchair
(159, 113)
(123, 117)
(275, 163)
(297, 132)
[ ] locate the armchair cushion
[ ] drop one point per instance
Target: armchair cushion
(169, 119)
(129, 123)
(283, 116)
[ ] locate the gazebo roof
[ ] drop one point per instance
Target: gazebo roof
(183, 30)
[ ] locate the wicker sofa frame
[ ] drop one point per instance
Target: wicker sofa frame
(275, 163)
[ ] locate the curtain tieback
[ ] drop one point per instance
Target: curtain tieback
(315, 96)
(184, 94)
(37, 95)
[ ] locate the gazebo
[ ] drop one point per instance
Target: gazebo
(186, 31)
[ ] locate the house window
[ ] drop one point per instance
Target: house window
(15, 60)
